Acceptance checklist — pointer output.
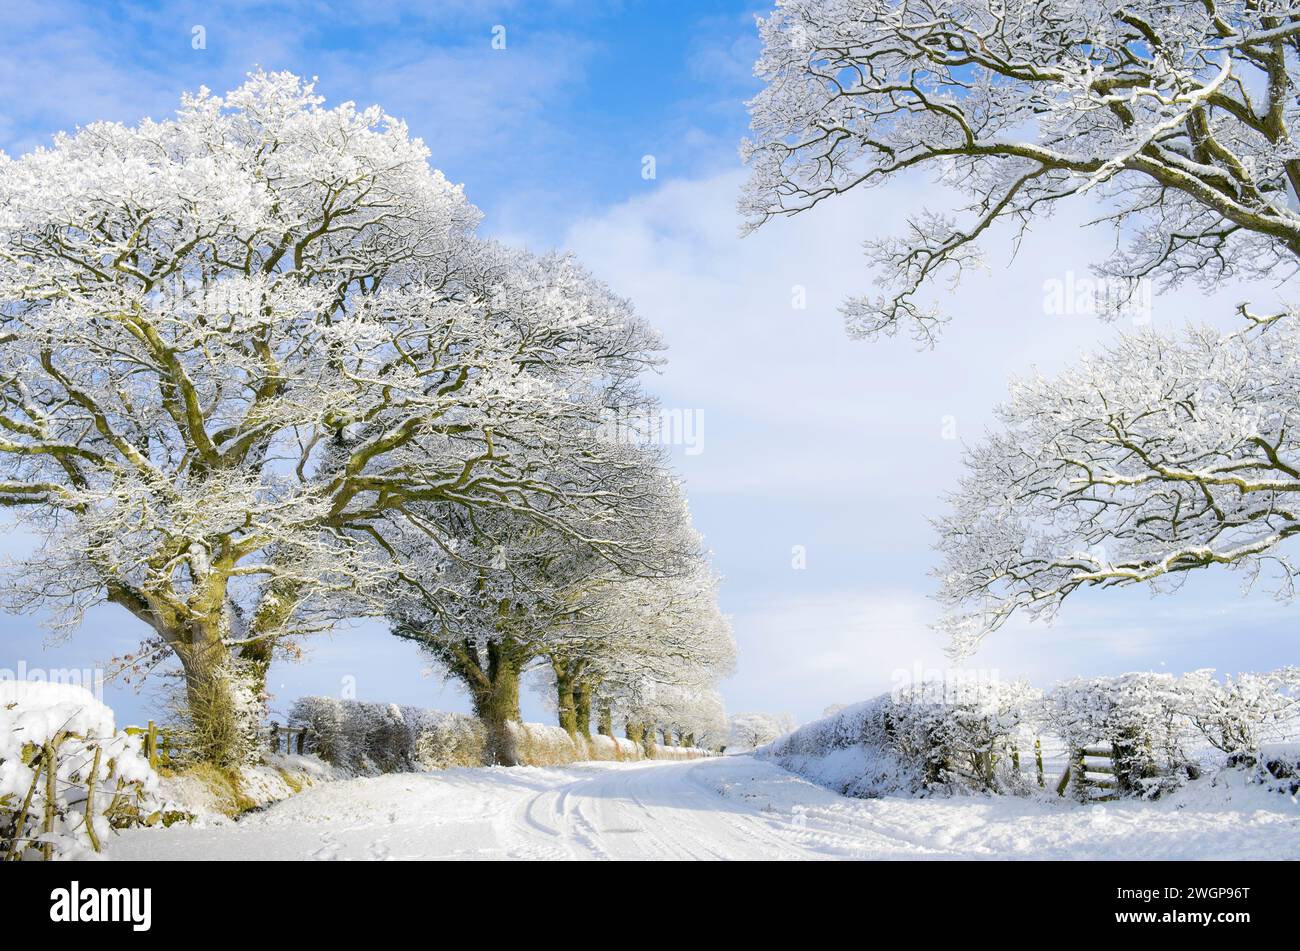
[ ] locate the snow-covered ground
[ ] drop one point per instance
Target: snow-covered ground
(731, 808)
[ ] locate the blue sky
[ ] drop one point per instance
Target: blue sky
(809, 439)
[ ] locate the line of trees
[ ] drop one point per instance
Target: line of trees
(258, 374)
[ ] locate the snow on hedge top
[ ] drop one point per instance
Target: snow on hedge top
(35, 711)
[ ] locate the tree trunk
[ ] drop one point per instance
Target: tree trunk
(605, 723)
(224, 694)
(491, 675)
(635, 733)
(566, 705)
(495, 693)
(582, 707)
(223, 698)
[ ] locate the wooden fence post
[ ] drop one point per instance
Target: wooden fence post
(90, 799)
(50, 757)
(1038, 759)
(151, 745)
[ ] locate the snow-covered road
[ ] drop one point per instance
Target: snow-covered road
(729, 808)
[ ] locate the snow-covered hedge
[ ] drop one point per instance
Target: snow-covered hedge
(969, 736)
(671, 752)
(537, 744)
(961, 736)
(1159, 726)
(387, 738)
(1240, 715)
(1142, 718)
(848, 752)
(67, 777)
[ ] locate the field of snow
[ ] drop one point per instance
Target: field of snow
(735, 807)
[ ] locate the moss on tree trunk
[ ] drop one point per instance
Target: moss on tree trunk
(223, 699)
(496, 699)
(582, 707)
(224, 692)
(566, 707)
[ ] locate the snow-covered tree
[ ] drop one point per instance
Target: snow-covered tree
(650, 635)
(1238, 714)
(498, 591)
(235, 344)
(1183, 115)
(1154, 458)
(752, 730)
(651, 652)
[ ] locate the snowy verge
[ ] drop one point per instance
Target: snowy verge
(215, 796)
(1228, 816)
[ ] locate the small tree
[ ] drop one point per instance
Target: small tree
(1240, 713)
(752, 730)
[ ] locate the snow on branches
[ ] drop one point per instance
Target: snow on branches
(749, 731)
(1150, 459)
(1183, 114)
(243, 349)
(1161, 454)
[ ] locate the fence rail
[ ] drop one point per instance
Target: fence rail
(1094, 771)
(164, 746)
(295, 738)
